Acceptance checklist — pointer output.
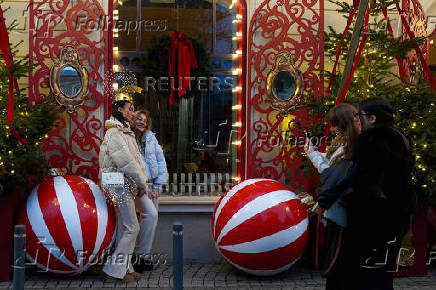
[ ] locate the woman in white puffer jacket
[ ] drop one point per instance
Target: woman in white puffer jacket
(156, 170)
(119, 153)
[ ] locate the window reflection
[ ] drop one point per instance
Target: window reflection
(196, 131)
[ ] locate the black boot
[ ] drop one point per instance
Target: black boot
(141, 264)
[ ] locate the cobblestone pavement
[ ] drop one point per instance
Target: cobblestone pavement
(206, 276)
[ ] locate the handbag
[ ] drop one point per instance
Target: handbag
(116, 183)
(337, 214)
(333, 186)
(112, 179)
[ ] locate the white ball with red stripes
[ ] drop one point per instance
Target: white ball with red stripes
(69, 225)
(260, 227)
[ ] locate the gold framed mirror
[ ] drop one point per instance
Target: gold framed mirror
(69, 81)
(284, 84)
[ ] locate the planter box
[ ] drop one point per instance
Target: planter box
(8, 209)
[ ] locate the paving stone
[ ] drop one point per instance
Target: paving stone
(164, 282)
(75, 284)
(120, 285)
(209, 283)
(132, 284)
(153, 282)
(142, 284)
(208, 276)
(51, 285)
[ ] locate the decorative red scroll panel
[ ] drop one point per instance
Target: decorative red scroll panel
(295, 26)
(415, 16)
(74, 143)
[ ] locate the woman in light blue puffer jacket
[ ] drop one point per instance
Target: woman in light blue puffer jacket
(156, 170)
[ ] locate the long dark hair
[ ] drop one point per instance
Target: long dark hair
(117, 114)
(343, 117)
(381, 109)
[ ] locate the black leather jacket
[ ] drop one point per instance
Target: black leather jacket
(335, 183)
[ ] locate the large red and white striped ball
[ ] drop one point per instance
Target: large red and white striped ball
(69, 225)
(260, 227)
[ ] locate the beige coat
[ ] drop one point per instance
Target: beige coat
(119, 150)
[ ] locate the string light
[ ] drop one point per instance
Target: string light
(237, 71)
(233, 4)
(237, 89)
(237, 124)
(237, 142)
(237, 107)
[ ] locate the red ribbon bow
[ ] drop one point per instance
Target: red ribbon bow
(181, 60)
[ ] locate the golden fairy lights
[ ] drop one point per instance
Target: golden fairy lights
(237, 72)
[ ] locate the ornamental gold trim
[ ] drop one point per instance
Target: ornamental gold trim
(69, 57)
(287, 103)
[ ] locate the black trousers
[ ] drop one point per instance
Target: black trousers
(365, 264)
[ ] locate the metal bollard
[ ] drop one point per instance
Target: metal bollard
(19, 246)
(177, 256)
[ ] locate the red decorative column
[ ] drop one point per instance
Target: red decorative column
(295, 26)
(84, 24)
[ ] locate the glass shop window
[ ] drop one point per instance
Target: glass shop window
(184, 49)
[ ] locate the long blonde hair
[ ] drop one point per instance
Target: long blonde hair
(343, 117)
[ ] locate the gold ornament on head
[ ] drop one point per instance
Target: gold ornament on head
(125, 93)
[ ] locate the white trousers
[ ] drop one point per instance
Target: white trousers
(147, 227)
(127, 231)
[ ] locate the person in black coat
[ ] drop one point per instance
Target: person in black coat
(382, 201)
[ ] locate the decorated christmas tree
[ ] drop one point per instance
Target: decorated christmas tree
(379, 73)
(22, 162)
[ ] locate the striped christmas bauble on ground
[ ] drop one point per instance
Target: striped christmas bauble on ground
(68, 223)
(260, 227)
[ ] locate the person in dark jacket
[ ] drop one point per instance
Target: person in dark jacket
(334, 167)
(382, 201)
